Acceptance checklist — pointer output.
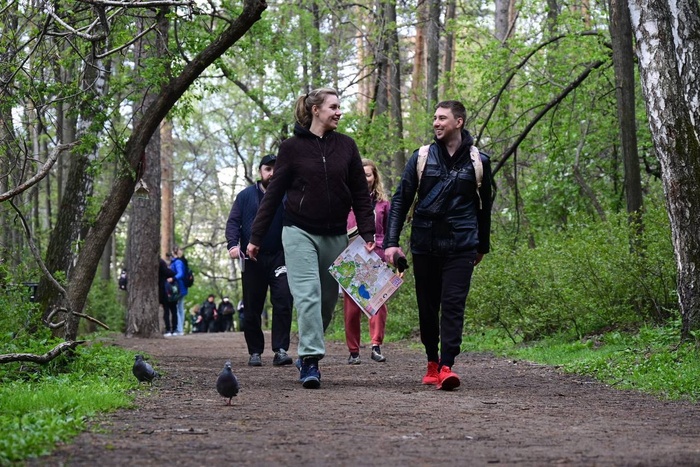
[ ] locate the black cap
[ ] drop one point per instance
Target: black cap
(268, 160)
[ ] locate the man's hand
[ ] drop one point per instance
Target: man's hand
(252, 251)
(369, 246)
(390, 252)
(234, 252)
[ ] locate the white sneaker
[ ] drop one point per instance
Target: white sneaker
(178, 333)
(167, 334)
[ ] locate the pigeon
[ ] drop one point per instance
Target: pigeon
(143, 371)
(226, 383)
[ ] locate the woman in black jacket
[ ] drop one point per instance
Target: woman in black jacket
(321, 173)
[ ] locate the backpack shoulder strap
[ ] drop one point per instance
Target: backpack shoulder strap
(478, 170)
(420, 167)
(421, 161)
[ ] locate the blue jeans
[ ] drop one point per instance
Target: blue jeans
(181, 315)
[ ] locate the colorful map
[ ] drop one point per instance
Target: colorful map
(364, 276)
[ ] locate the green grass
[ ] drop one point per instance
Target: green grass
(651, 360)
(41, 405)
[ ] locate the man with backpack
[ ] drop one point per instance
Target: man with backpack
(179, 266)
(450, 233)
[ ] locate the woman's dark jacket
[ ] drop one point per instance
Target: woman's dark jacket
(323, 179)
(163, 273)
(447, 217)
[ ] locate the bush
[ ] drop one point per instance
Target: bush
(583, 280)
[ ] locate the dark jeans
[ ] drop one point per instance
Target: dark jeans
(268, 271)
(225, 323)
(442, 285)
(170, 316)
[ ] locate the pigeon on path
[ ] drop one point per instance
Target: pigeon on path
(143, 371)
(226, 383)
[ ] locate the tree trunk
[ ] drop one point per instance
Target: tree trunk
(433, 55)
(623, 63)
(167, 211)
(449, 58)
(393, 47)
(668, 50)
(418, 76)
(121, 191)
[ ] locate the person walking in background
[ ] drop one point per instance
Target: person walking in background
(353, 313)
(209, 315)
(165, 275)
(450, 234)
(226, 312)
(269, 271)
(178, 266)
(319, 176)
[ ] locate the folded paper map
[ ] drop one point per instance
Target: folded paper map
(367, 279)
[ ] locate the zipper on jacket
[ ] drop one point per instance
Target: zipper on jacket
(325, 172)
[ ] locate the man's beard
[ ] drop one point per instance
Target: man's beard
(265, 183)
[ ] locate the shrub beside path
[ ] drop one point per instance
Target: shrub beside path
(505, 412)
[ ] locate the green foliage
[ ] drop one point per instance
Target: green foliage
(584, 279)
(41, 405)
(105, 303)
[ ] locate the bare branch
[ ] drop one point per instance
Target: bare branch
(137, 4)
(556, 100)
(47, 357)
(35, 251)
(43, 172)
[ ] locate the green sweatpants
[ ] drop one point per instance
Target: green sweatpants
(314, 290)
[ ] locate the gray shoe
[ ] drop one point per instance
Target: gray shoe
(281, 358)
(377, 354)
(354, 360)
(255, 360)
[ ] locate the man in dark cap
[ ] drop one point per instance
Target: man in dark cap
(268, 271)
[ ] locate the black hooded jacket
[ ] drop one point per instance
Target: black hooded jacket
(323, 179)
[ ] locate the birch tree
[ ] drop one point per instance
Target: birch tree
(668, 52)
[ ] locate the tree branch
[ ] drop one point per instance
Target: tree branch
(557, 99)
(47, 357)
(40, 175)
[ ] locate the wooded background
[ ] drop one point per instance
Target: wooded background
(589, 111)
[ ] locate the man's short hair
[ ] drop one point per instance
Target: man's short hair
(456, 107)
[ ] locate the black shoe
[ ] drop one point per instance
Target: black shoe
(281, 358)
(377, 354)
(310, 376)
(255, 360)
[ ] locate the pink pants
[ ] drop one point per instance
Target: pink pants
(353, 314)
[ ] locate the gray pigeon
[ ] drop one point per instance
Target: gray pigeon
(143, 371)
(226, 383)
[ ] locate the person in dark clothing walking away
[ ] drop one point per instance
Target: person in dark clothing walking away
(450, 233)
(269, 271)
(226, 312)
(209, 315)
(319, 177)
(165, 274)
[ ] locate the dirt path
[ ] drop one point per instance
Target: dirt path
(504, 413)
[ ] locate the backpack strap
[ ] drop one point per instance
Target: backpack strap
(475, 156)
(420, 167)
(478, 170)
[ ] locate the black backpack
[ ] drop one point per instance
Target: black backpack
(188, 280)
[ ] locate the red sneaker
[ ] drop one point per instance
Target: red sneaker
(431, 377)
(447, 380)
